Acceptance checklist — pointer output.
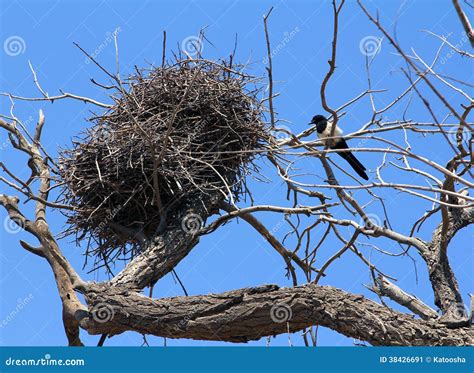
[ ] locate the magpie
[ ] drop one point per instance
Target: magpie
(323, 128)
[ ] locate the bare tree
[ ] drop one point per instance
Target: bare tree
(118, 305)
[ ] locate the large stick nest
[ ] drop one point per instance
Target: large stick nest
(175, 132)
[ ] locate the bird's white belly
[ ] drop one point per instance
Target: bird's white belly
(327, 132)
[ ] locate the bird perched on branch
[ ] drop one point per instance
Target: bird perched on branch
(323, 128)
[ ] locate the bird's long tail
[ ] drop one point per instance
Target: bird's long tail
(355, 164)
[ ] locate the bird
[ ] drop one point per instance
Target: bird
(323, 128)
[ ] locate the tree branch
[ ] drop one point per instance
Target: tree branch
(252, 313)
(465, 22)
(443, 280)
(163, 252)
(386, 288)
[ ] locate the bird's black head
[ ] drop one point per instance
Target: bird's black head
(320, 121)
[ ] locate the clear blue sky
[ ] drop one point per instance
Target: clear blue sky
(235, 256)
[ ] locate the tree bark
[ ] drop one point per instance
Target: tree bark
(252, 313)
(162, 253)
(442, 278)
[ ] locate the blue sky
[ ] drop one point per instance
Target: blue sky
(234, 256)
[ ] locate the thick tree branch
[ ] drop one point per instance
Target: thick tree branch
(443, 280)
(252, 313)
(66, 277)
(158, 258)
(249, 314)
(162, 253)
